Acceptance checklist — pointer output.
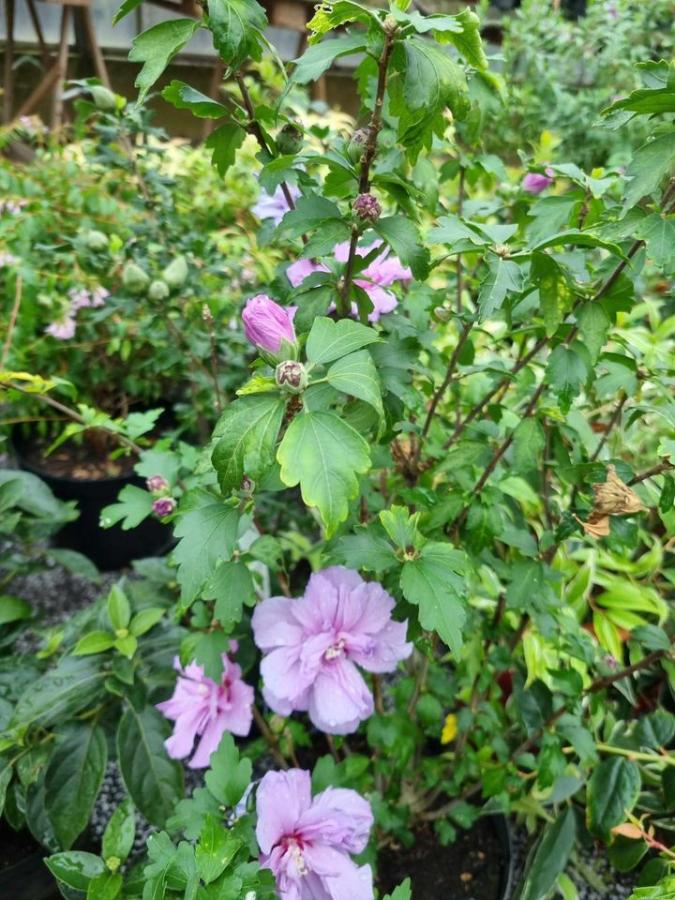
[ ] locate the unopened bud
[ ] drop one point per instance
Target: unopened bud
(502, 250)
(442, 313)
(157, 483)
(163, 506)
(247, 485)
(289, 139)
(291, 376)
(357, 144)
(367, 208)
(207, 315)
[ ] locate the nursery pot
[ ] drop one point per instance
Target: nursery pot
(477, 866)
(23, 874)
(109, 548)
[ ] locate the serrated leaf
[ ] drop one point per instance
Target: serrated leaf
(73, 779)
(364, 549)
(324, 456)
(182, 96)
(231, 586)
(403, 237)
(246, 436)
(356, 375)
(236, 27)
(225, 141)
(504, 277)
(650, 164)
(208, 533)
(228, 776)
(568, 370)
(594, 324)
(528, 443)
(154, 782)
(132, 507)
(216, 849)
(433, 583)
(319, 57)
(658, 230)
(156, 47)
(329, 340)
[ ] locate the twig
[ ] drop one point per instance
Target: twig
(12, 320)
(377, 695)
(269, 736)
(650, 473)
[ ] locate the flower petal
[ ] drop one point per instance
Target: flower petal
(274, 624)
(281, 799)
(340, 698)
(340, 817)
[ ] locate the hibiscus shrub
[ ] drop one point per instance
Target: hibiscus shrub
(429, 532)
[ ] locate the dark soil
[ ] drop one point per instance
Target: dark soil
(15, 846)
(72, 460)
(473, 868)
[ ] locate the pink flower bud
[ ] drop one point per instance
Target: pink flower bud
(267, 324)
(535, 183)
(163, 506)
(157, 484)
(367, 208)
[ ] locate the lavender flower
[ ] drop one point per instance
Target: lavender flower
(312, 647)
(63, 330)
(307, 842)
(163, 506)
(206, 710)
(381, 273)
(274, 206)
(535, 182)
(267, 324)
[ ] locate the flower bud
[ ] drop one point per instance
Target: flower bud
(158, 290)
(134, 278)
(442, 313)
(176, 272)
(266, 324)
(535, 182)
(289, 140)
(103, 97)
(357, 144)
(157, 484)
(367, 208)
(291, 376)
(247, 485)
(96, 240)
(163, 506)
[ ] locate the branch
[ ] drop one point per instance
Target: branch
(650, 473)
(373, 129)
(12, 321)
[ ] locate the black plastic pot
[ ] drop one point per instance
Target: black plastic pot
(109, 548)
(483, 856)
(27, 878)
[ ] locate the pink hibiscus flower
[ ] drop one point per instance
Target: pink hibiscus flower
(381, 273)
(201, 708)
(307, 843)
(313, 646)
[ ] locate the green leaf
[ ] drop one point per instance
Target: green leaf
(119, 611)
(650, 164)
(549, 857)
(403, 237)
(236, 26)
(329, 340)
(549, 279)
(14, 609)
(246, 436)
(126, 645)
(363, 550)
(75, 868)
(228, 775)
(402, 892)
(659, 232)
(433, 583)
(73, 685)
(225, 141)
(182, 96)
(568, 370)
(154, 782)
(580, 238)
(207, 529)
(216, 849)
(156, 47)
(467, 41)
(319, 57)
(133, 505)
(338, 12)
(73, 779)
(504, 277)
(124, 10)
(105, 886)
(357, 376)
(612, 793)
(528, 443)
(655, 730)
(311, 211)
(94, 642)
(118, 837)
(231, 586)
(324, 455)
(594, 323)
(145, 619)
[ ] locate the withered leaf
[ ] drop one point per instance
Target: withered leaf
(611, 498)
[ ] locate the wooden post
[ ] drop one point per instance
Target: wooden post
(93, 46)
(61, 71)
(8, 90)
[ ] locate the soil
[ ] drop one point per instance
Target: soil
(15, 846)
(472, 868)
(72, 460)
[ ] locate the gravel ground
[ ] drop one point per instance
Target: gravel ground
(46, 591)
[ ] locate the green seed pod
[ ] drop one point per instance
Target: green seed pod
(289, 140)
(134, 278)
(103, 98)
(176, 272)
(291, 376)
(158, 290)
(96, 240)
(357, 145)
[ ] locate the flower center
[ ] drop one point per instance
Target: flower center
(293, 847)
(335, 650)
